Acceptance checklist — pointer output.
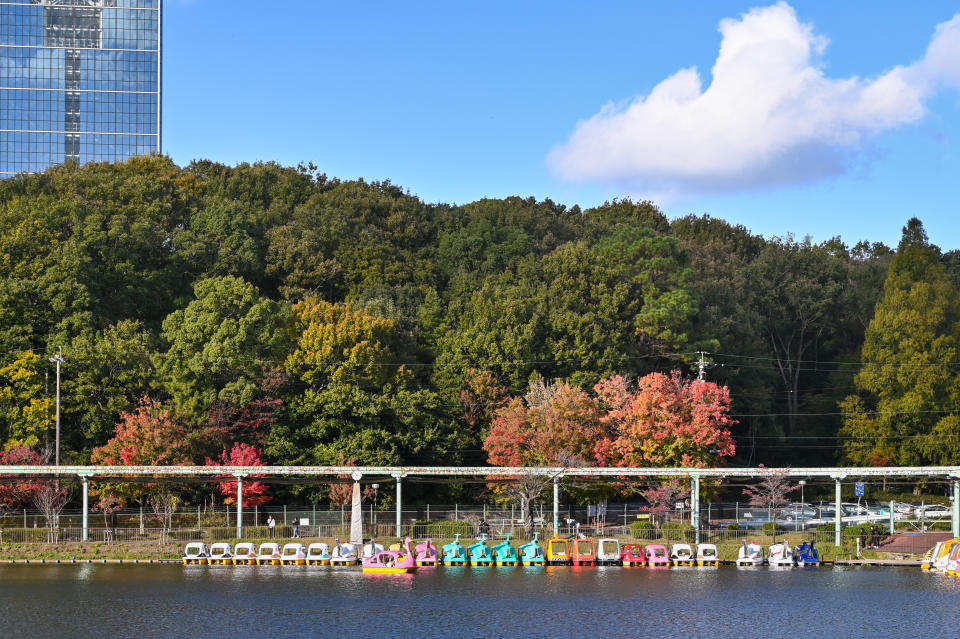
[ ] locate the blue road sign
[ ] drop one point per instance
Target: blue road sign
(858, 489)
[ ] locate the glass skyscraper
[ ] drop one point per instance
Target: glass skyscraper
(79, 80)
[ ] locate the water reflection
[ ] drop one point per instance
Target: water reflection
(171, 600)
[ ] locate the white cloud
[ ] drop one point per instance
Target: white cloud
(769, 117)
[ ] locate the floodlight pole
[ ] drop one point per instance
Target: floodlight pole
(58, 360)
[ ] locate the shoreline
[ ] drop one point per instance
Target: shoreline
(889, 563)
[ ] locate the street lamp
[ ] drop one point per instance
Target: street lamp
(58, 360)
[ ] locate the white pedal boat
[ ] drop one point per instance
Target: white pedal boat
(780, 555)
(268, 554)
(707, 555)
(682, 555)
(750, 555)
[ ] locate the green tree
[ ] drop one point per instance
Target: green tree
(357, 400)
(580, 312)
(27, 413)
(800, 289)
(906, 410)
(107, 373)
(219, 344)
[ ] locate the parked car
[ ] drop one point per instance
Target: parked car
(932, 511)
(902, 508)
(797, 509)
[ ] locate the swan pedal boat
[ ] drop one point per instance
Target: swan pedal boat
(427, 554)
(343, 554)
(245, 554)
(293, 555)
(318, 554)
(268, 554)
(942, 558)
(750, 555)
(682, 555)
(806, 554)
(707, 555)
(196, 553)
(221, 554)
(390, 562)
(780, 555)
(953, 560)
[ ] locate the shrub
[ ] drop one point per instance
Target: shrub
(733, 526)
(442, 529)
(641, 529)
(771, 526)
(678, 531)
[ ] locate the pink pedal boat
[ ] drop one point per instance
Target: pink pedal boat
(426, 554)
(657, 555)
(391, 562)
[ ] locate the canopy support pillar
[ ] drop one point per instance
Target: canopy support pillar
(838, 515)
(955, 515)
(85, 482)
(556, 505)
(399, 479)
(695, 506)
(239, 506)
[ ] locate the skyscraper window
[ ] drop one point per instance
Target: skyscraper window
(79, 80)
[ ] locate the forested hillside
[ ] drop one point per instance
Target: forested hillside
(275, 313)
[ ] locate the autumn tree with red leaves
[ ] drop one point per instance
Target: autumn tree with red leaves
(16, 493)
(664, 420)
(555, 424)
(148, 436)
(254, 492)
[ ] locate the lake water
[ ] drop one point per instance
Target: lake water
(248, 601)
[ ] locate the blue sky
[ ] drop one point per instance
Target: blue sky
(824, 118)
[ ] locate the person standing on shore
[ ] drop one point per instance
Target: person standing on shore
(271, 525)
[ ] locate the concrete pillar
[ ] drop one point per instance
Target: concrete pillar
(399, 507)
(84, 481)
(556, 505)
(239, 506)
(837, 519)
(695, 506)
(956, 508)
(356, 512)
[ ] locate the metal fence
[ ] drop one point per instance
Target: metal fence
(901, 544)
(713, 515)
(209, 524)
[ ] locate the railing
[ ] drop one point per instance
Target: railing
(712, 515)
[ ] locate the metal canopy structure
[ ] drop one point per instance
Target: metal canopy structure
(949, 474)
(945, 472)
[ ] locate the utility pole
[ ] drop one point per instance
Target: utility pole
(702, 366)
(58, 360)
